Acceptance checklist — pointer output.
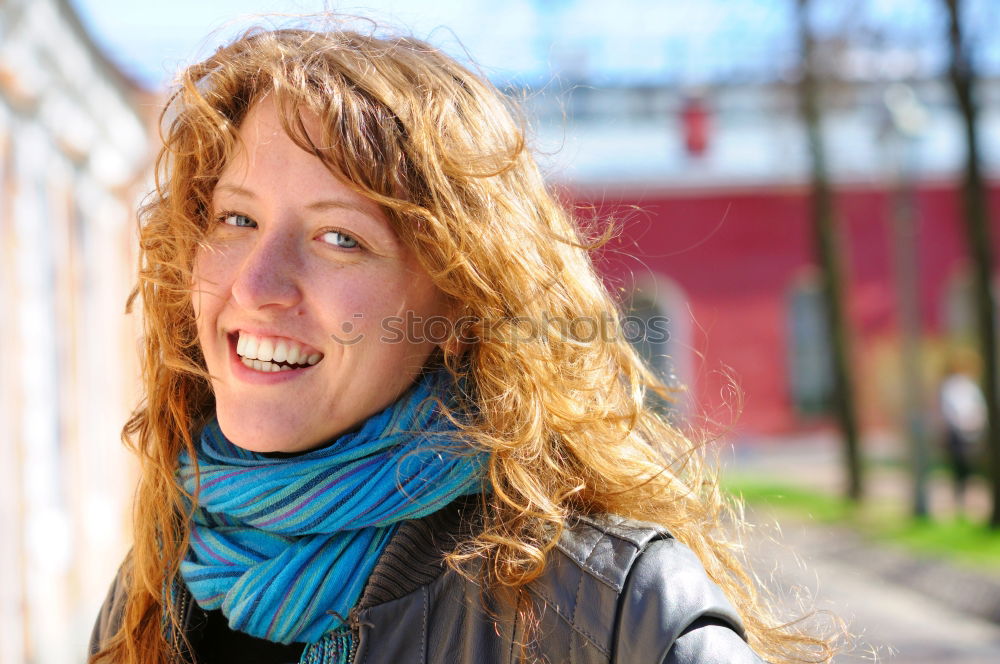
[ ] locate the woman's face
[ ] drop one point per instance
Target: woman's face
(294, 291)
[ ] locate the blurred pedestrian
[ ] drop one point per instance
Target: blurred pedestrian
(963, 416)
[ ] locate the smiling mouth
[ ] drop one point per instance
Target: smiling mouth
(271, 354)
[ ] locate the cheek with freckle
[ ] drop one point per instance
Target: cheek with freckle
(196, 296)
(203, 295)
(200, 286)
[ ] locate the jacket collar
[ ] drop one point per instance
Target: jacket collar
(414, 557)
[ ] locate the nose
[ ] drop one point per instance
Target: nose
(269, 275)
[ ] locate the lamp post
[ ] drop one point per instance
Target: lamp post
(905, 122)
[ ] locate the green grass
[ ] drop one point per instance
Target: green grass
(957, 540)
(817, 506)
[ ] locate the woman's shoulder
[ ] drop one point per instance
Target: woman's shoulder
(613, 590)
(649, 587)
(109, 617)
(636, 558)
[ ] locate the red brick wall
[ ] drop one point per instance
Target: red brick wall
(737, 253)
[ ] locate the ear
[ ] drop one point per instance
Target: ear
(464, 330)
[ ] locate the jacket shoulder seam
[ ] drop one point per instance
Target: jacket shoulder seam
(637, 533)
(644, 534)
(549, 604)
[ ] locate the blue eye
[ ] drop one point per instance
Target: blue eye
(342, 240)
(239, 220)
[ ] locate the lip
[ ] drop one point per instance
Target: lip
(245, 374)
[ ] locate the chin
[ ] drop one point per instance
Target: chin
(252, 435)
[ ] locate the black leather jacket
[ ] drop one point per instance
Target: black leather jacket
(614, 590)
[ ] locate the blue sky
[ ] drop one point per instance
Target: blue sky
(682, 41)
(520, 39)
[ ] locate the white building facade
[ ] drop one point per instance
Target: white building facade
(74, 154)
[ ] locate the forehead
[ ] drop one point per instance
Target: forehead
(268, 161)
(262, 139)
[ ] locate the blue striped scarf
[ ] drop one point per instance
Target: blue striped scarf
(284, 546)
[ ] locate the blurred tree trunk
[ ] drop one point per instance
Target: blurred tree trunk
(828, 251)
(977, 229)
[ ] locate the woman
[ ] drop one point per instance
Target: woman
(378, 424)
(963, 418)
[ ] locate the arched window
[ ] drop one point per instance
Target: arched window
(958, 307)
(958, 320)
(657, 324)
(809, 362)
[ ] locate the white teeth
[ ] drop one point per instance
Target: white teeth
(280, 352)
(266, 367)
(268, 350)
(250, 347)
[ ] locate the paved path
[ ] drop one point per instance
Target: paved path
(892, 623)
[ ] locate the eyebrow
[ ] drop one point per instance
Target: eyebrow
(316, 205)
(235, 189)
